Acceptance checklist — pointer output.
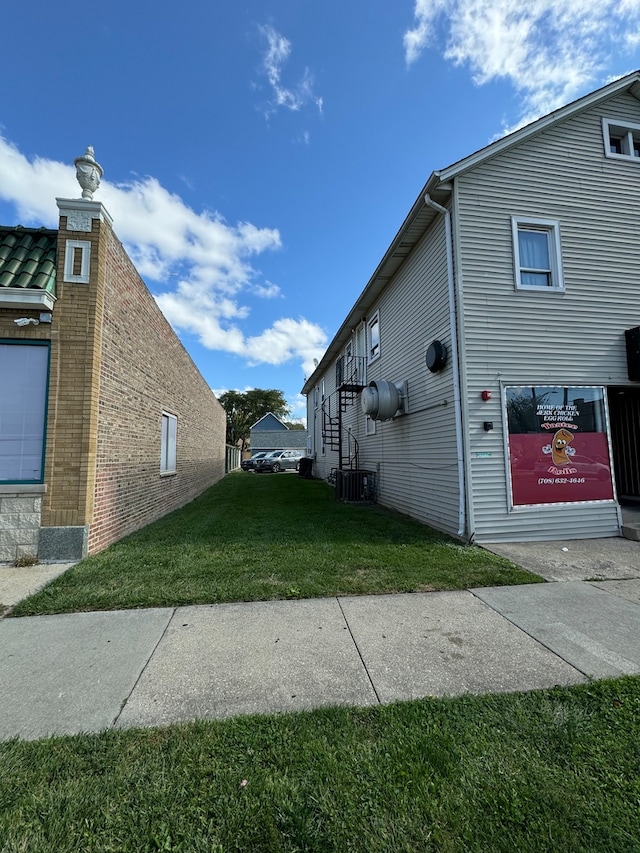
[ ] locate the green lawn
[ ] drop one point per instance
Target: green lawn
(548, 771)
(258, 537)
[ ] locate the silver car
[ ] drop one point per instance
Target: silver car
(279, 460)
(249, 464)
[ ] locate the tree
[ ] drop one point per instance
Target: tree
(244, 409)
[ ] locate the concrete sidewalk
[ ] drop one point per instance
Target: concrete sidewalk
(87, 672)
(17, 583)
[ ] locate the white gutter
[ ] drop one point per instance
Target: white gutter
(453, 331)
(26, 299)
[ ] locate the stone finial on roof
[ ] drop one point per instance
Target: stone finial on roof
(88, 173)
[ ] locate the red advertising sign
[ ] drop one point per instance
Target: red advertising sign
(558, 447)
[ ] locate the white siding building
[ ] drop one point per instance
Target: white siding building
(488, 377)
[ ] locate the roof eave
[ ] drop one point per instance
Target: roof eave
(630, 83)
(34, 299)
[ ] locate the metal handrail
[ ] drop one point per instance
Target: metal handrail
(351, 370)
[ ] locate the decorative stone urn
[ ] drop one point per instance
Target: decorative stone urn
(88, 173)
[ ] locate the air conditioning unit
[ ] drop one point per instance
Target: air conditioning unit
(383, 400)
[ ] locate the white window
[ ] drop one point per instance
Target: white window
(536, 251)
(24, 372)
(621, 141)
(374, 337)
(168, 444)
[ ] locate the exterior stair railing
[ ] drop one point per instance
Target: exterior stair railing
(350, 380)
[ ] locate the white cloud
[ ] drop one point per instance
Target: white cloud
(202, 262)
(33, 186)
(285, 339)
(275, 57)
(298, 408)
(220, 391)
(268, 290)
(549, 51)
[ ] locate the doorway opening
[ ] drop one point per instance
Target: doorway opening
(624, 415)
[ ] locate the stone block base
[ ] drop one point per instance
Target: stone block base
(20, 508)
(63, 544)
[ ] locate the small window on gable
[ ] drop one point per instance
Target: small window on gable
(536, 251)
(168, 444)
(374, 337)
(621, 141)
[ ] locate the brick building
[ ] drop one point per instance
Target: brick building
(106, 424)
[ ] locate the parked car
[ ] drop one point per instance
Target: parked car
(279, 460)
(249, 464)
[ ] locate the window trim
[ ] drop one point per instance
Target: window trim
(72, 249)
(373, 355)
(168, 454)
(552, 228)
(623, 129)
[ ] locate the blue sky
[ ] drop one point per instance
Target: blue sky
(259, 156)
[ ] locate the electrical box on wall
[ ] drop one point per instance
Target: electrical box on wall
(383, 400)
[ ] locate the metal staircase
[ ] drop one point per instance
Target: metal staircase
(350, 373)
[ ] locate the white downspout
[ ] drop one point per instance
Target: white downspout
(453, 331)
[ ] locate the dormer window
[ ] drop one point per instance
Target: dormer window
(621, 140)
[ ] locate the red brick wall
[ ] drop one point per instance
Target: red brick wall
(145, 370)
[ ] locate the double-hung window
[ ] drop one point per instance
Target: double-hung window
(168, 443)
(537, 257)
(374, 337)
(24, 371)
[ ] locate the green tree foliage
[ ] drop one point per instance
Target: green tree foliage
(245, 408)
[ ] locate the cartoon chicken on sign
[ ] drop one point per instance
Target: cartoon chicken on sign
(559, 446)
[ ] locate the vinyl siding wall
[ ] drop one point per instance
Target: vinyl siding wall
(536, 338)
(414, 454)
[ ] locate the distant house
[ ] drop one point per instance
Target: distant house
(270, 433)
(488, 376)
(106, 424)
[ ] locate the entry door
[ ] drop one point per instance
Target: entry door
(624, 415)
